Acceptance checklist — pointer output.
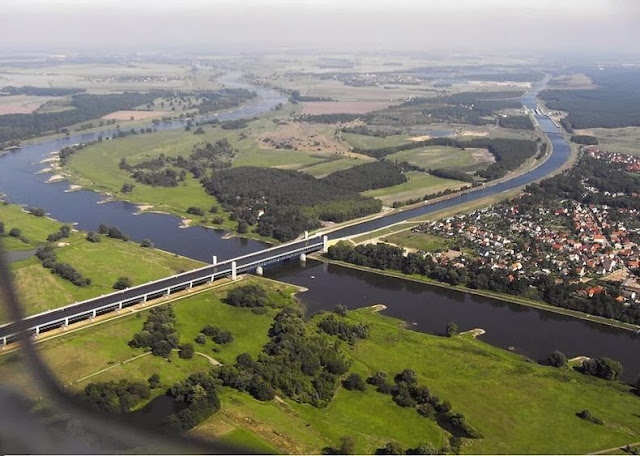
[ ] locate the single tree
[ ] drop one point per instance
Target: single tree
(347, 445)
(122, 283)
(186, 351)
(557, 359)
(452, 329)
(354, 382)
(154, 381)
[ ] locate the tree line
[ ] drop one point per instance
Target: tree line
(477, 276)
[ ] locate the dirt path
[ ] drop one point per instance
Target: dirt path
(108, 368)
(213, 362)
(609, 450)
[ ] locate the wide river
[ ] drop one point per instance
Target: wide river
(532, 332)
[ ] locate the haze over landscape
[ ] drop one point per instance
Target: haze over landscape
(584, 26)
(320, 227)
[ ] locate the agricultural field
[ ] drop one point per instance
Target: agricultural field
(340, 107)
(518, 406)
(440, 157)
(21, 104)
(418, 185)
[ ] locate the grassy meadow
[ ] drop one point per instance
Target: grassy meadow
(520, 407)
(104, 262)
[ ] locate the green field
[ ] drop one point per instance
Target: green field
(519, 406)
(418, 185)
(323, 168)
(103, 262)
(418, 241)
(434, 157)
(373, 142)
(34, 230)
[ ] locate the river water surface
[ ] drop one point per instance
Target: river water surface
(531, 332)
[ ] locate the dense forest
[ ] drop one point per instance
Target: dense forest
(510, 154)
(519, 122)
(615, 102)
(586, 140)
(294, 202)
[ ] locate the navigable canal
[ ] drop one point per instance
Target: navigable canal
(531, 332)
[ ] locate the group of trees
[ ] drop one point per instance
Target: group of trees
(510, 154)
(452, 174)
(165, 171)
(39, 91)
(251, 295)
(113, 232)
(346, 331)
(519, 122)
(115, 396)
(304, 366)
(586, 140)
(158, 332)
(369, 176)
(50, 261)
(604, 367)
(218, 335)
(63, 232)
(293, 201)
(406, 392)
(199, 396)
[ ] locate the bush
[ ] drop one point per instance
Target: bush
(15, 232)
(604, 367)
(427, 410)
(340, 310)
(586, 415)
(146, 243)
(557, 359)
(193, 210)
(112, 232)
(123, 283)
(391, 448)
(201, 339)
(452, 329)
(218, 335)
(154, 381)
(186, 351)
(127, 187)
(92, 236)
(354, 382)
(37, 211)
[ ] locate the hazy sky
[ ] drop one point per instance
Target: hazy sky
(431, 25)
